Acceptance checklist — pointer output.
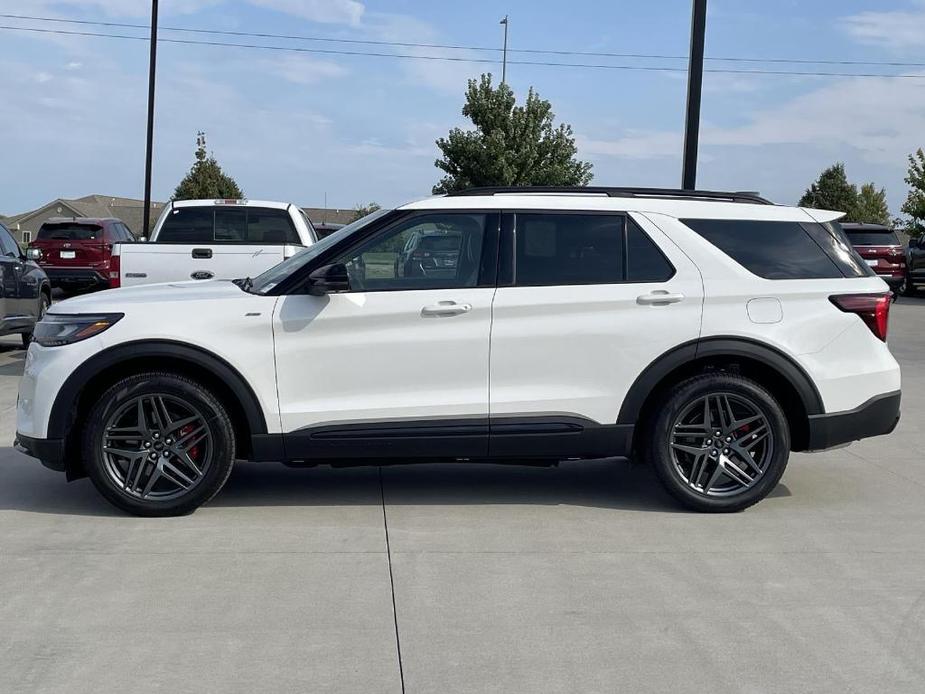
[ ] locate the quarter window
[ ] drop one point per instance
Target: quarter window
(435, 251)
(644, 261)
(778, 250)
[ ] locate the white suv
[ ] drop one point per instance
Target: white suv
(707, 333)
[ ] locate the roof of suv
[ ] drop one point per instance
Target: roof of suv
(80, 220)
(680, 204)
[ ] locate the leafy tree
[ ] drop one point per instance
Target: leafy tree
(914, 206)
(206, 180)
(511, 145)
(870, 206)
(831, 191)
(360, 211)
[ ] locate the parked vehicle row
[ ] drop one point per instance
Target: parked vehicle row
(710, 334)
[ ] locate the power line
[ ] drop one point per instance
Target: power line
(458, 59)
(402, 44)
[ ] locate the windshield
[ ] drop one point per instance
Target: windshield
(264, 283)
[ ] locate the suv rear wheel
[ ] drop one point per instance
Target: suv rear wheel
(719, 443)
(158, 444)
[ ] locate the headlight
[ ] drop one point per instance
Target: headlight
(34, 253)
(57, 329)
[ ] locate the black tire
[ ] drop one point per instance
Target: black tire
(669, 463)
(906, 288)
(216, 425)
(44, 303)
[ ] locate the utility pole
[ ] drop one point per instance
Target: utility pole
(504, 55)
(152, 62)
(694, 89)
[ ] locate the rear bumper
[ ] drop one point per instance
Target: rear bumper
(50, 452)
(876, 417)
(83, 276)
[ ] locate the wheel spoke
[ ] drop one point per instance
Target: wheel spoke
(714, 478)
(176, 475)
(693, 450)
(180, 423)
(699, 465)
(152, 480)
(736, 473)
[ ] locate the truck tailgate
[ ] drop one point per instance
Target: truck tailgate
(147, 263)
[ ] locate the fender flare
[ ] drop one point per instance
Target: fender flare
(718, 346)
(62, 410)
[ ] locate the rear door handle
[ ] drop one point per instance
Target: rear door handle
(446, 308)
(202, 253)
(659, 297)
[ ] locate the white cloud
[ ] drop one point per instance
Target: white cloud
(325, 11)
(42, 77)
(300, 69)
(895, 30)
(883, 119)
(74, 65)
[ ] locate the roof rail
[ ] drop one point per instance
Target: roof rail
(674, 193)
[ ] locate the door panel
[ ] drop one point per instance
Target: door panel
(398, 365)
(574, 350)
(377, 356)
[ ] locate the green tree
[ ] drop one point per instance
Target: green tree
(914, 206)
(360, 211)
(511, 145)
(870, 206)
(206, 180)
(831, 191)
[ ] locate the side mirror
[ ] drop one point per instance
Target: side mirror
(328, 279)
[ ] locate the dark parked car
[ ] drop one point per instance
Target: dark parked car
(880, 248)
(26, 292)
(915, 267)
(76, 252)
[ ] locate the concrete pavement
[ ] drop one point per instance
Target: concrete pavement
(582, 578)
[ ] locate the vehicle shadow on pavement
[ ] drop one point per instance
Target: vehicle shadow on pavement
(27, 486)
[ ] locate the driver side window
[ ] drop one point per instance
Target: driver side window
(434, 251)
(8, 245)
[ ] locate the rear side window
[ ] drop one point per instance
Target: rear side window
(70, 231)
(256, 225)
(781, 250)
(644, 261)
(871, 238)
(567, 249)
(557, 249)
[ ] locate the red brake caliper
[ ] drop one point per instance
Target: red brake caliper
(194, 451)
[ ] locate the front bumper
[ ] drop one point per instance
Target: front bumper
(50, 452)
(876, 417)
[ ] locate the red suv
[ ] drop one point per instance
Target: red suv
(76, 252)
(881, 249)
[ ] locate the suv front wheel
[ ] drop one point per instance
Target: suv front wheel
(720, 442)
(158, 444)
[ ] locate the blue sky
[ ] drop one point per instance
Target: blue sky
(294, 126)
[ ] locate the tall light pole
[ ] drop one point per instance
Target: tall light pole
(504, 54)
(152, 63)
(694, 89)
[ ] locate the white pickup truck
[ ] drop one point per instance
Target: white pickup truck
(213, 239)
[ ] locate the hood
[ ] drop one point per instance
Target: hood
(122, 300)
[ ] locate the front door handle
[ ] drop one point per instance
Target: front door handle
(446, 308)
(659, 297)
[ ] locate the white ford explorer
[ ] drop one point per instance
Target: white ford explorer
(707, 333)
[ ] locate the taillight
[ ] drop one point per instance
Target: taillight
(873, 309)
(114, 267)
